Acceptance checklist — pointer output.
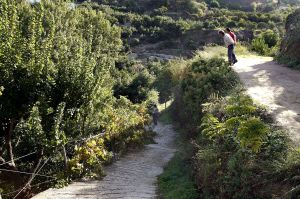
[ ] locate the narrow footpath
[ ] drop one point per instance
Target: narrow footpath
(132, 177)
(275, 86)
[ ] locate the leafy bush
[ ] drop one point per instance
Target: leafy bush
(57, 82)
(232, 132)
(266, 43)
(215, 4)
(259, 45)
(288, 61)
(138, 89)
(201, 79)
(231, 24)
(271, 38)
(167, 79)
(237, 149)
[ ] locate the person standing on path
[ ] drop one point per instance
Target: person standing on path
(229, 42)
(155, 115)
(232, 35)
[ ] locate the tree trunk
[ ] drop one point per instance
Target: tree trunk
(65, 156)
(37, 165)
(8, 140)
(26, 192)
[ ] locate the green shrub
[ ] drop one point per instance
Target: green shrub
(262, 25)
(176, 182)
(236, 146)
(201, 79)
(231, 24)
(57, 66)
(259, 45)
(271, 38)
(288, 61)
(214, 4)
(238, 151)
(266, 43)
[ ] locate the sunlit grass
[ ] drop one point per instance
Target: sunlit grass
(164, 106)
(165, 112)
(176, 181)
(221, 52)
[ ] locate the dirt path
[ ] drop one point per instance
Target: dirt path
(276, 87)
(132, 177)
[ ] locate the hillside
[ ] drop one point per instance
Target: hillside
(81, 84)
(180, 27)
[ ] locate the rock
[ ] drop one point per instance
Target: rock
(290, 46)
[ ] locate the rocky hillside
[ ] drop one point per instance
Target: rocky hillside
(250, 5)
(244, 2)
(290, 46)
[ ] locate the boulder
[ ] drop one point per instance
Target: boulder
(290, 46)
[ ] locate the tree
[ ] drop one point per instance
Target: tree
(55, 66)
(164, 84)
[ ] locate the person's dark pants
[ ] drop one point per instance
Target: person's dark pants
(155, 117)
(231, 54)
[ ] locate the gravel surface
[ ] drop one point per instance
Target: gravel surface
(133, 176)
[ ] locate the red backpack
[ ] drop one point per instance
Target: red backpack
(233, 36)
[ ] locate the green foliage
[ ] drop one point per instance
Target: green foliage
(176, 182)
(165, 116)
(164, 84)
(251, 133)
(167, 78)
(214, 4)
(236, 148)
(57, 66)
(259, 45)
(138, 89)
(265, 43)
(288, 61)
(246, 128)
(271, 38)
(236, 145)
(201, 79)
(88, 159)
(151, 23)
